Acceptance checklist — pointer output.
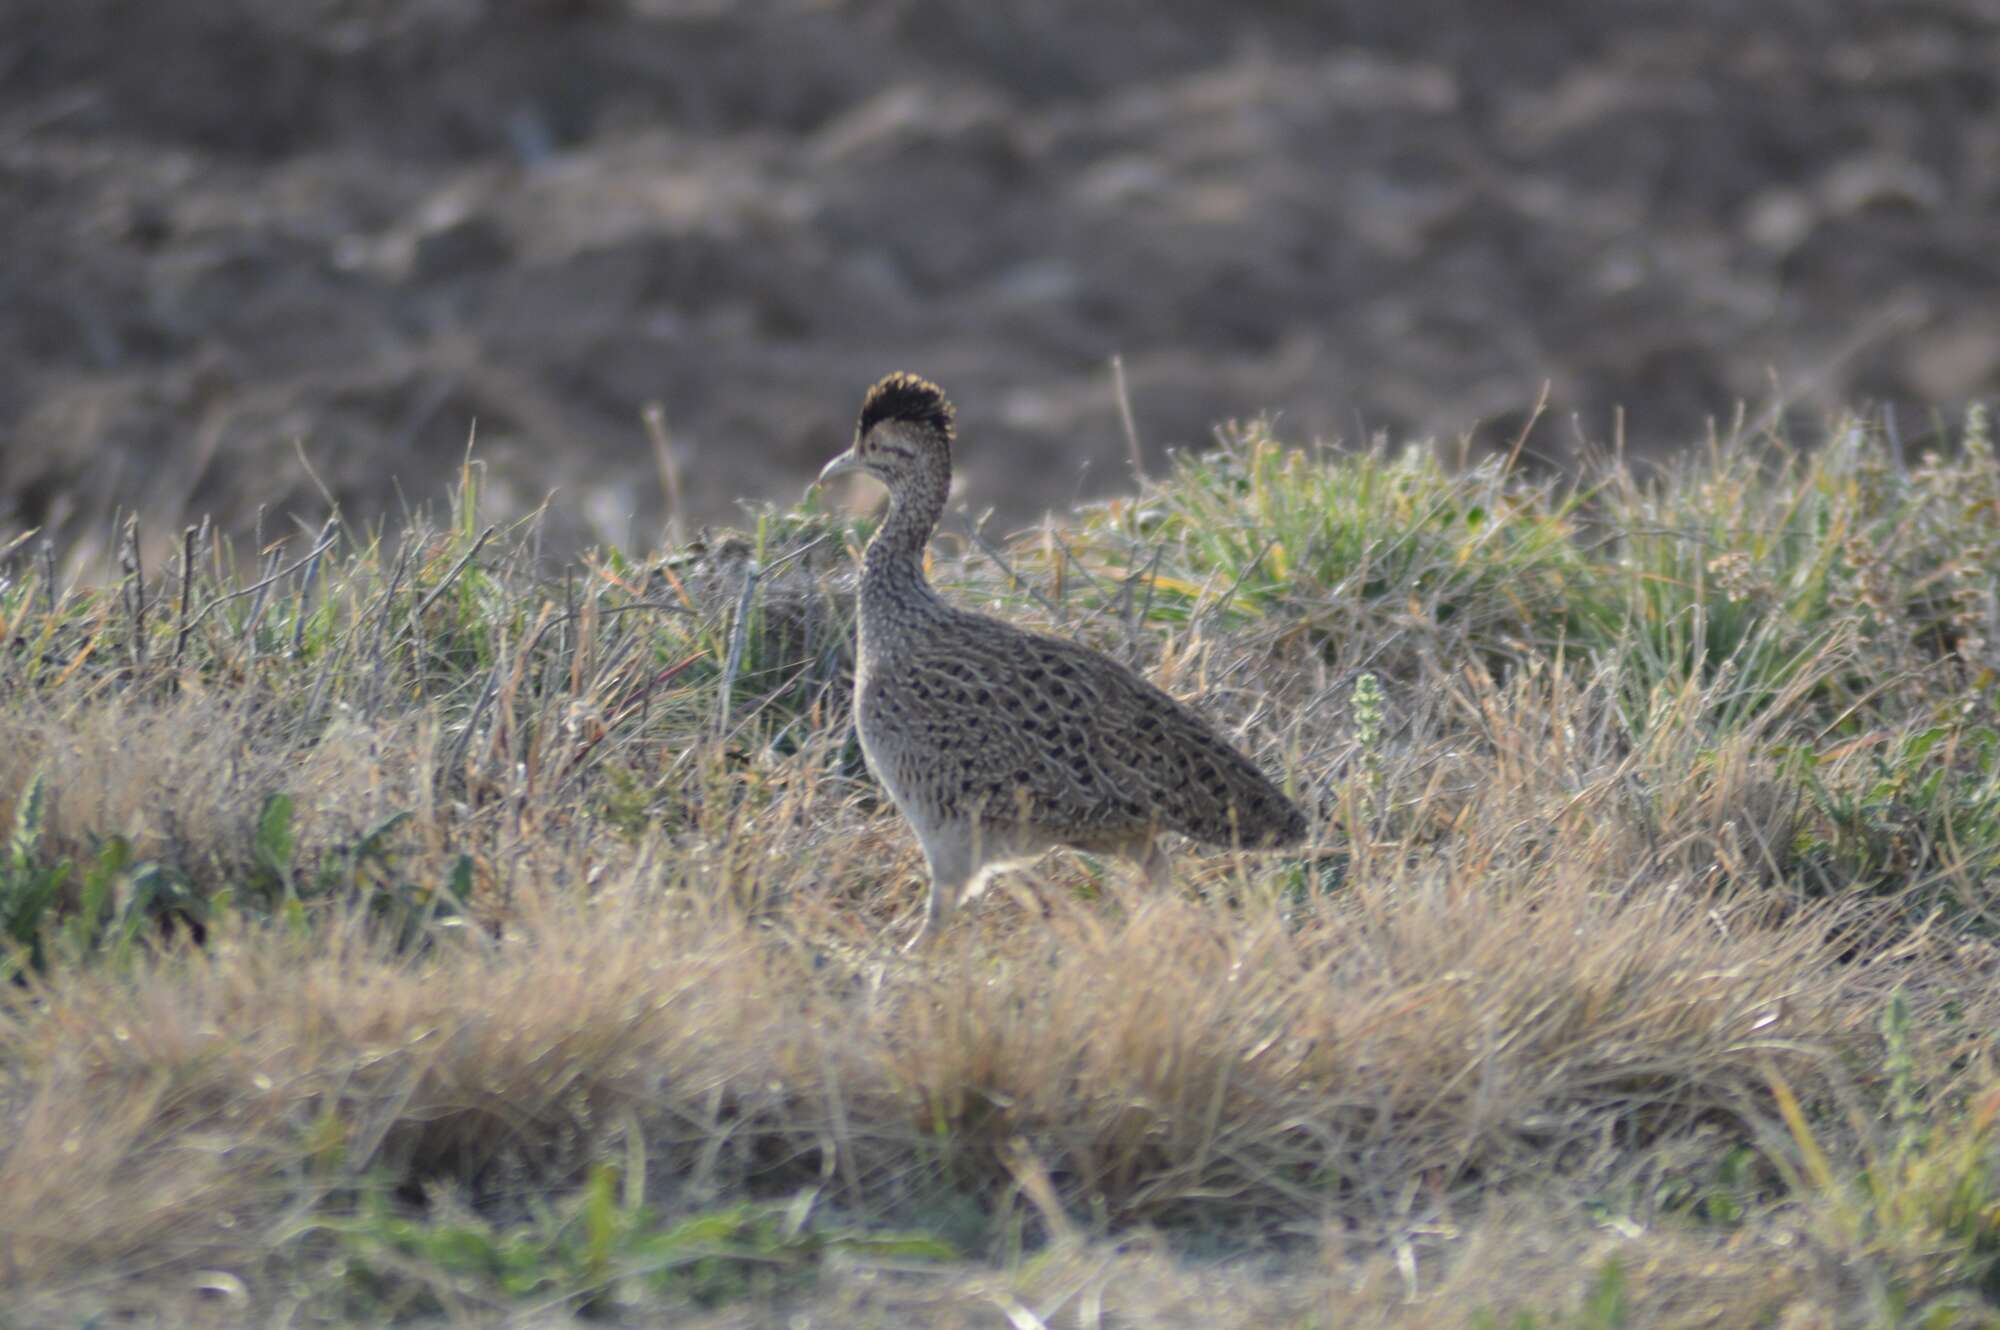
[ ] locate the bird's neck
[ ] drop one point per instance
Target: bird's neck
(894, 591)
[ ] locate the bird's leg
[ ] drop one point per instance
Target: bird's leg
(951, 866)
(937, 909)
(1159, 869)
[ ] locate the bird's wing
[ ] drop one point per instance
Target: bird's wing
(1070, 738)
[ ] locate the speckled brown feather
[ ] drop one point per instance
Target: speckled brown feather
(982, 720)
(996, 743)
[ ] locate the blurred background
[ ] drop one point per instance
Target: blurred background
(254, 248)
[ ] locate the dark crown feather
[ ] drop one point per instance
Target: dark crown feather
(906, 397)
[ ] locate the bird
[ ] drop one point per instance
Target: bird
(997, 744)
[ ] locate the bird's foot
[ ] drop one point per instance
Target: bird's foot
(926, 934)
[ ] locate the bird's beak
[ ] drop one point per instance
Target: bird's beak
(840, 466)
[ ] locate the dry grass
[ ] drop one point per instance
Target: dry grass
(184, 780)
(1562, 1021)
(1382, 1061)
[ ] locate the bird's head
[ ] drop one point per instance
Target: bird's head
(904, 432)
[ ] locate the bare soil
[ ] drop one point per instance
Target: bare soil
(237, 232)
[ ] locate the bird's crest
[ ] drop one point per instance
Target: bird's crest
(907, 397)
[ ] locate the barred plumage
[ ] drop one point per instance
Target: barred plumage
(997, 744)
